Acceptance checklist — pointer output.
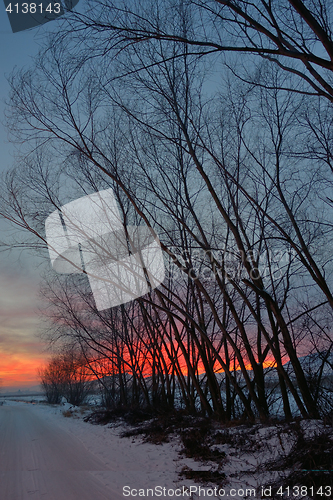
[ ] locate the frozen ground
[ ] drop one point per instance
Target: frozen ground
(44, 455)
(47, 456)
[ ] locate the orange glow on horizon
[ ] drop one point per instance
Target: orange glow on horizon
(144, 360)
(20, 369)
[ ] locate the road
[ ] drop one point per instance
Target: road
(39, 460)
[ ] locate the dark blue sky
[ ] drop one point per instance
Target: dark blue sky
(16, 50)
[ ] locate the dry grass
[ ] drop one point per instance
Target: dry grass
(67, 413)
(203, 476)
(309, 462)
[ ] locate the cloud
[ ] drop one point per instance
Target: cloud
(21, 352)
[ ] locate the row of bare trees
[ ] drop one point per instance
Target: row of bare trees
(228, 159)
(66, 376)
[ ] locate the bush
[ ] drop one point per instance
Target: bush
(66, 375)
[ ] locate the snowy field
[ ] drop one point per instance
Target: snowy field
(50, 453)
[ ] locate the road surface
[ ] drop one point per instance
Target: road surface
(39, 460)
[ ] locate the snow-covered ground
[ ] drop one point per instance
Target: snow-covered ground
(46, 455)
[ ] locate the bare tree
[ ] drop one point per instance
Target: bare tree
(77, 377)
(219, 174)
(66, 375)
(292, 34)
(52, 381)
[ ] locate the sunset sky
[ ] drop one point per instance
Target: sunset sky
(20, 350)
